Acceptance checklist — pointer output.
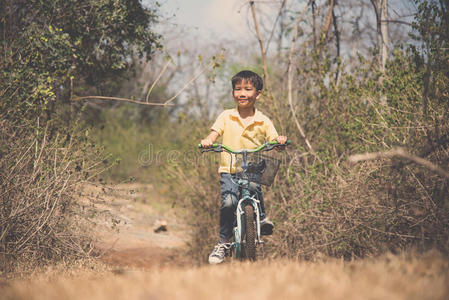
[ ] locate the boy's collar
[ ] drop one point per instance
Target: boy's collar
(257, 115)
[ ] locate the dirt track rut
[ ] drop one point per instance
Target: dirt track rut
(124, 218)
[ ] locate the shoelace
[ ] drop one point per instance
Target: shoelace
(219, 250)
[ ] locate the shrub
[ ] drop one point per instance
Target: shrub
(39, 175)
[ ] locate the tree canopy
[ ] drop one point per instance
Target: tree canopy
(46, 43)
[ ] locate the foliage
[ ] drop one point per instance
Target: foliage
(47, 43)
(131, 140)
(48, 46)
(354, 211)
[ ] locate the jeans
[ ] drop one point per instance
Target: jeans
(230, 195)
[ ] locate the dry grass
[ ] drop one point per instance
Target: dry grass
(359, 211)
(390, 277)
(39, 174)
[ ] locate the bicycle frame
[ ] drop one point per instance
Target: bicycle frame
(247, 196)
(239, 230)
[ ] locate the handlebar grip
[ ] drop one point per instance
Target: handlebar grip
(274, 143)
(213, 146)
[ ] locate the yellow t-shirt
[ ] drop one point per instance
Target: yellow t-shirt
(237, 136)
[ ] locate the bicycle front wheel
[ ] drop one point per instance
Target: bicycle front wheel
(250, 233)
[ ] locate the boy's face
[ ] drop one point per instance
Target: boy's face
(245, 94)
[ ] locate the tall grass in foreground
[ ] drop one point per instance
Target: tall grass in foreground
(389, 277)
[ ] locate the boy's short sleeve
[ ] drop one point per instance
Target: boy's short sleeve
(271, 133)
(219, 124)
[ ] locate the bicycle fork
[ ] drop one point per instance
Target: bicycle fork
(239, 230)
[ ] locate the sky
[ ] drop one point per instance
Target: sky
(217, 18)
(204, 28)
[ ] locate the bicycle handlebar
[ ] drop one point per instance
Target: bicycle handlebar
(264, 147)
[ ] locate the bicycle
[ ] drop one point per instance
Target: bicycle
(261, 170)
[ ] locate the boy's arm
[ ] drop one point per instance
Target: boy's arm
(272, 134)
(210, 139)
(215, 131)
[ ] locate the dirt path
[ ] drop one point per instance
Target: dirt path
(150, 265)
(125, 220)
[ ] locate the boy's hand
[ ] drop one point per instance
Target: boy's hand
(207, 143)
(281, 140)
(210, 139)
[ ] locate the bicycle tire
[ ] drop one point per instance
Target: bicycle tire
(250, 233)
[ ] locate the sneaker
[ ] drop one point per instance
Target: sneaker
(266, 227)
(219, 252)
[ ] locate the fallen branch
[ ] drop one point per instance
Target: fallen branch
(399, 152)
(142, 102)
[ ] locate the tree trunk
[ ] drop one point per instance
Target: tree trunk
(383, 38)
(384, 33)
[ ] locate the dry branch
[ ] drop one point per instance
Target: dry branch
(190, 81)
(141, 102)
(281, 8)
(146, 101)
(157, 79)
(262, 46)
(290, 78)
(399, 152)
(328, 20)
(337, 44)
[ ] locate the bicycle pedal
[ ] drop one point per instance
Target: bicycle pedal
(228, 252)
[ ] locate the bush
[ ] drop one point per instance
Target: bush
(39, 175)
(45, 153)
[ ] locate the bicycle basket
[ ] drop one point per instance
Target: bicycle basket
(262, 169)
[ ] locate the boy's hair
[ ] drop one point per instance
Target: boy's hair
(248, 76)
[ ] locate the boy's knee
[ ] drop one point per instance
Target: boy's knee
(228, 201)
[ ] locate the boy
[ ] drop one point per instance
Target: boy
(243, 127)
